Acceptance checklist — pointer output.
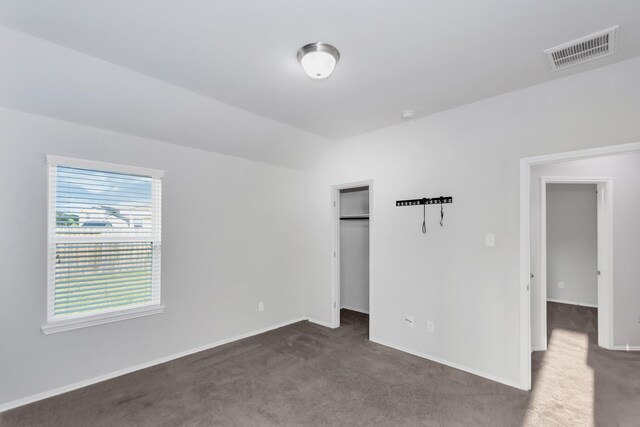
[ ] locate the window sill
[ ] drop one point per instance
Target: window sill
(99, 319)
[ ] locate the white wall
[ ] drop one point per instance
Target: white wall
(572, 243)
(354, 251)
(232, 237)
(625, 172)
(41, 77)
(472, 153)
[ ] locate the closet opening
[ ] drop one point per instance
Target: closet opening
(351, 303)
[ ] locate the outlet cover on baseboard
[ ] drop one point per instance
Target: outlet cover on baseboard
(561, 285)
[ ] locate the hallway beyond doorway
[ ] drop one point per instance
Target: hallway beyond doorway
(578, 383)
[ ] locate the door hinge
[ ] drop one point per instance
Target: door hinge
(334, 203)
(598, 272)
(334, 304)
(334, 254)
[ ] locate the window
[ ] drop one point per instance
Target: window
(104, 243)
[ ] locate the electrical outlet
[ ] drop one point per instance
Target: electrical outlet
(431, 326)
(260, 306)
(410, 321)
(561, 285)
(490, 239)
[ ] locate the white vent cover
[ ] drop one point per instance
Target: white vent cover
(581, 50)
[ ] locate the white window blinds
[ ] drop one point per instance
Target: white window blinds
(104, 238)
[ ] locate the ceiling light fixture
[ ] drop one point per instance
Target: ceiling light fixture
(318, 60)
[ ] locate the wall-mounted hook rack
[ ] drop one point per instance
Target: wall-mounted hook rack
(425, 201)
(442, 200)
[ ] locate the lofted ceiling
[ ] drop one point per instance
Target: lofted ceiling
(413, 54)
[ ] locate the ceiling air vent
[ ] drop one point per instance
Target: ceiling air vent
(581, 50)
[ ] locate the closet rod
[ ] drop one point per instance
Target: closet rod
(354, 217)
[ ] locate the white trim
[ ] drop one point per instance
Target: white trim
(525, 221)
(580, 304)
(535, 348)
(605, 264)
(568, 179)
(111, 167)
(610, 150)
(321, 323)
(335, 261)
(626, 347)
(51, 234)
(335, 245)
(359, 310)
(112, 316)
(451, 364)
(148, 237)
(84, 383)
(543, 265)
(525, 278)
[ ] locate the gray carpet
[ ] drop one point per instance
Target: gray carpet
(305, 374)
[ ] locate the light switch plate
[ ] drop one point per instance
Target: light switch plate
(431, 326)
(561, 285)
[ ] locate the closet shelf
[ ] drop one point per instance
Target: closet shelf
(363, 216)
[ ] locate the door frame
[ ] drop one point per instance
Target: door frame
(335, 247)
(605, 255)
(525, 239)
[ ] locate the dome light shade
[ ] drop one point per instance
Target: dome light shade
(318, 60)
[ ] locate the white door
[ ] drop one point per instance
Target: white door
(603, 272)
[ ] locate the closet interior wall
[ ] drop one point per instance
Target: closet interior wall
(354, 249)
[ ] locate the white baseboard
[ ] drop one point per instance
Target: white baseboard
(572, 303)
(626, 347)
(359, 310)
(84, 383)
(615, 347)
(452, 365)
(321, 323)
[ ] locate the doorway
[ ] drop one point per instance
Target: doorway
(578, 273)
(351, 254)
(528, 320)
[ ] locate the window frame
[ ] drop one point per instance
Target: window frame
(76, 321)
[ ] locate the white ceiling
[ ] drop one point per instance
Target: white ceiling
(412, 54)
(47, 79)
